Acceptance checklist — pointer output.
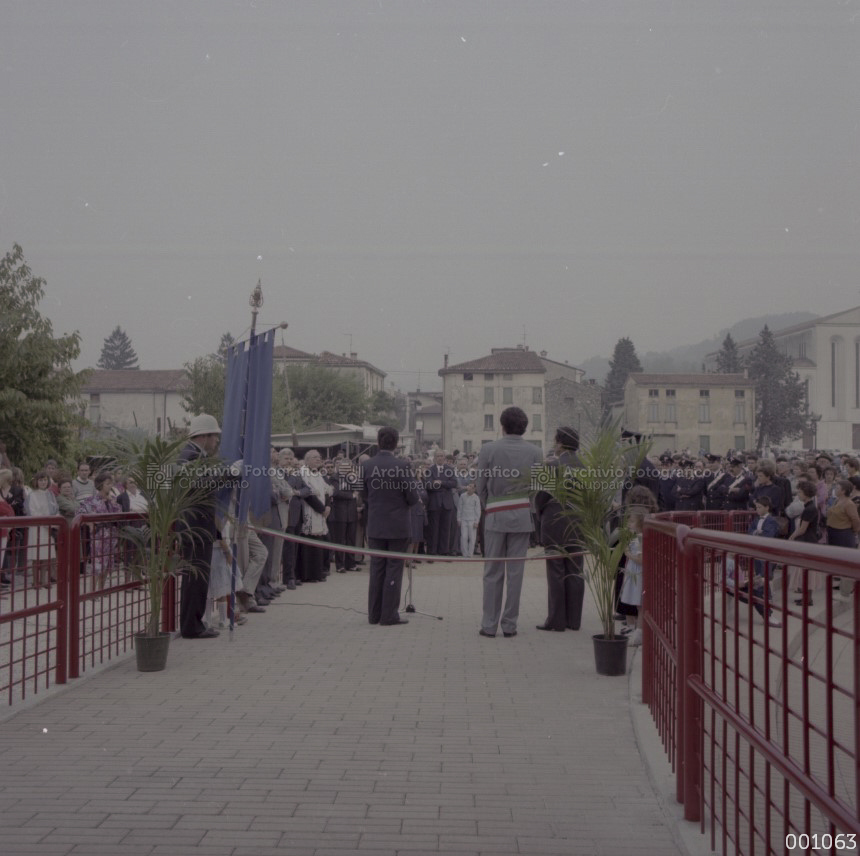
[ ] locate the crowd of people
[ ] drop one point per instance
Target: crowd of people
(811, 497)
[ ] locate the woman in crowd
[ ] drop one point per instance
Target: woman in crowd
(806, 530)
(417, 513)
(67, 502)
(40, 502)
(104, 539)
(843, 521)
(6, 510)
(131, 498)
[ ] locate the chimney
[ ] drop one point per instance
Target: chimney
(543, 354)
(446, 361)
(353, 355)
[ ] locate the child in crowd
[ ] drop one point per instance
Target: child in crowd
(631, 589)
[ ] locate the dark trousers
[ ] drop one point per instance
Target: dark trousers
(288, 559)
(386, 579)
(195, 588)
(343, 532)
(311, 561)
(565, 588)
(440, 531)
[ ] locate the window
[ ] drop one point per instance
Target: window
(704, 410)
(653, 393)
(484, 442)
(670, 393)
(507, 395)
(488, 421)
(537, 422)
(467, 447)
(488, 395)
(507, 376)
(467, 376)
(740, 412)
(488, 376)
(704, 443)
(833, 373)
(740, 441)
(739, 393)
(537, 395)
(704, 393)
(653, 412)
(671, 412)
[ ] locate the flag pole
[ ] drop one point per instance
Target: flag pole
(255, 301)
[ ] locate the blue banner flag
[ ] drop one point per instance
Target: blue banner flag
(247, 425)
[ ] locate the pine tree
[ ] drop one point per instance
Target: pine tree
(729, 361)
(782, 408)
(624, 361)
(117, 352)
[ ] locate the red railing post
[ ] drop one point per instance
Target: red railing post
(681, 608)
(649, 586)
(61, 667)
(74, 597)
(168, 606)
(690, 663)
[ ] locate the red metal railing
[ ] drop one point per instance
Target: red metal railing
(761, 722)
(33, 604)
(108, 604)
(71, 602)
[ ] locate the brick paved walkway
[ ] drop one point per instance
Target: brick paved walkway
(313, 733)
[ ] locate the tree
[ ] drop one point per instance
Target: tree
(782, 408)
(316, 394)
(382, 409)
(207, 378)
(624, 361)
(38, 386)
(729, 361)
(117, 352)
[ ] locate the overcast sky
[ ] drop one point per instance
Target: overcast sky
(430, 176)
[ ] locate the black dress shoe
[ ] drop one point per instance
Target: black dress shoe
(508, 635)
(544, 627)
(483, 632)
(394, 623)
(208, 633)
(255, 608)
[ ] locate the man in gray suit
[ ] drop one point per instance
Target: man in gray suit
(503, 477)
(389, 490)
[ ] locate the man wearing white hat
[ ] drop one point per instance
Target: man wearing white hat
(204, 436)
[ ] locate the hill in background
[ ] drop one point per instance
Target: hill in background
(689, 358)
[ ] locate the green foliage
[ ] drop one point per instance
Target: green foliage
(781, 403)
(729, 361)
(624, 362)
(208, 384)
(171, 493)
(588, 499)
(38, 415)
(316, 394)
(117, 352)
(383, 409)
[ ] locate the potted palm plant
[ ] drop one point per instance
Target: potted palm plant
(590, 499)
(155, 543)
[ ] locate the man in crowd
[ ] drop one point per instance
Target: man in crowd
(440, 484)
(389, 490)
(204, 435)
(503, 472)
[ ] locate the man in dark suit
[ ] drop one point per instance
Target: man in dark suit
(343, 519)
(440, 484)
(564, 581)
(389, 490)
(204, 436)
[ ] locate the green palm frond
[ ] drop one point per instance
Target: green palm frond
(588, 498)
